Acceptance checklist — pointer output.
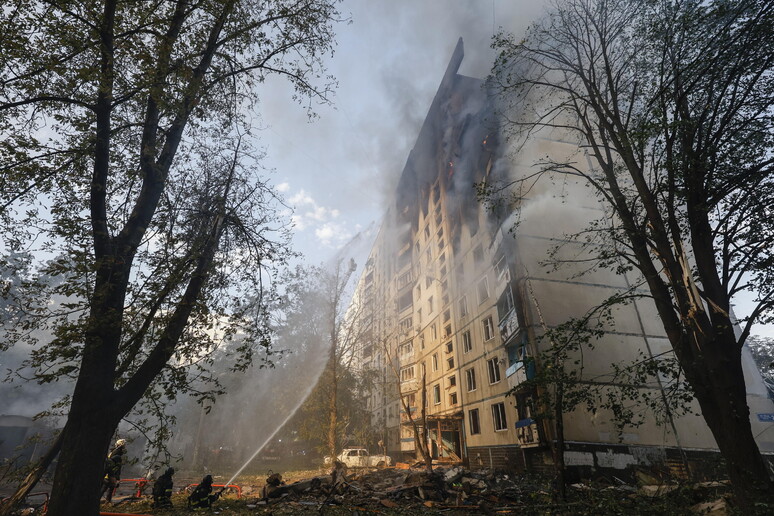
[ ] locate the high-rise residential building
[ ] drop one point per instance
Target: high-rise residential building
(455, 297)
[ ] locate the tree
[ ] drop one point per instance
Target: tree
(673, 101)
(317, 309)
(125, 147)
(418, 427)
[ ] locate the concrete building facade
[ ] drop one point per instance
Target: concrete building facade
(455, 296)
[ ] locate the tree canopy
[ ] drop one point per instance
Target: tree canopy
(128, 164)
(672, 101)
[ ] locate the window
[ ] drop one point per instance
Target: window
(447, 331)
(434, 332)
(422, 341)
(488, 328)
(406, 348)
(404, 279)
(463, 306)
(430, 305)
(470, 379)
(493, 366)
(453, 398)
(436, 394)
(483, 290)
(435, 361)
(498, 417)
(478, 255)
(407, 374)
(405, 301)
(449, 347)
(405, 324)
(475, 425)
(450, 363)
(446, 315)
(500, 267)
(452, 381)
(467, 344)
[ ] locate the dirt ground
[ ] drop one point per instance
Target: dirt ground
(448, 491)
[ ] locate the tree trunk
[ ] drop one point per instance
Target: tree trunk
(559, 449)
(333, 409)
(32, 478)
(722, 396)
(425, 448)
(81, 467)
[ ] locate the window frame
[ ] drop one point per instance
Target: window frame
(499, 416)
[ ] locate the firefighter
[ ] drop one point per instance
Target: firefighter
(202, 496)
(162, 489)
(113, 464)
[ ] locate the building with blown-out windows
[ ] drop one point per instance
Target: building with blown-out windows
(451, 295)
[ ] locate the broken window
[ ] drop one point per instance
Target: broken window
(404, 279)
(405, 301)
(470, 379)
(483, 290)
(467, 344)
(498, 417)
(488, 327)
(500, 267)
(493, 366)
(475, 425)
(463, 306)
(478, 255)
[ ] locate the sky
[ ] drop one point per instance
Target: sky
(338, 171)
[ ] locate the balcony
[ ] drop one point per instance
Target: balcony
(509, 326)
(518, 373)
(527, 433)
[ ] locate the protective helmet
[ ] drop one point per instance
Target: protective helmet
(120, 442)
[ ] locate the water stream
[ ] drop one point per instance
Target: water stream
(268, 439)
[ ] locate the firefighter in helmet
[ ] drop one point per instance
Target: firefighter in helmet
(162, 489)
(202, 496)
(115, 461)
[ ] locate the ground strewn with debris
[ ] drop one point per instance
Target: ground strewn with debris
(447, 491)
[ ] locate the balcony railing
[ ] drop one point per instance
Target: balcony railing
(527, 433)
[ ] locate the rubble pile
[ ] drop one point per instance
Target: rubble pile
(444, 488)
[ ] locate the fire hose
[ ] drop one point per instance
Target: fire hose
(223, 488)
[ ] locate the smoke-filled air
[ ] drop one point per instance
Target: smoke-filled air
(396, 257)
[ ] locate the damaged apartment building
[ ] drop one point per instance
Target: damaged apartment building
(450, 295)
